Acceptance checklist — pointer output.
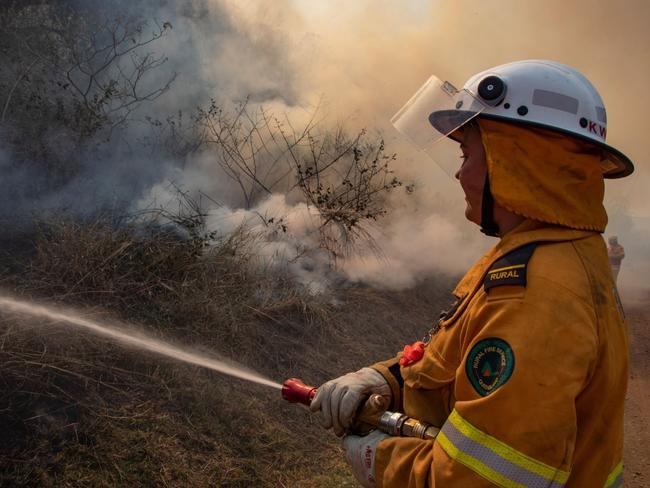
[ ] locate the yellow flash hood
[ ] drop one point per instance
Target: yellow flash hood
(544, 175)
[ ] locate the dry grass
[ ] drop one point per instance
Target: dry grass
(77, 410)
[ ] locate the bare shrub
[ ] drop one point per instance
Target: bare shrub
(345, 178)
(68, 80)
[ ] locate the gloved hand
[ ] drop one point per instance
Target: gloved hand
(339, 399)
(360, 453)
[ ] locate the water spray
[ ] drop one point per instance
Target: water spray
(372, 414)
(135, 339)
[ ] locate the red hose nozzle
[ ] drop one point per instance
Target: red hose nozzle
(295, 391)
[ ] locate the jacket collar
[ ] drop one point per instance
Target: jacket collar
(525, 233)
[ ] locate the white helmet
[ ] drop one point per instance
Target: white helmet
(534, 92)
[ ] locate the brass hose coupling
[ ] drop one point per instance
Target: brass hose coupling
(398, 424)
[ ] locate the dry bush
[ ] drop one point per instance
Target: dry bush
(71, 80)
(155, 276)
(91, 413)
(79, 72)
(346, 178)
(79, 410)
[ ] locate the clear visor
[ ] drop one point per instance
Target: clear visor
(437, 110)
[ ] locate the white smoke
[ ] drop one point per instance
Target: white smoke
(423, 235)
(416, 245)
(360, 61)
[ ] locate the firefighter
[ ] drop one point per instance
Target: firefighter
(526, 373)
(616, 253)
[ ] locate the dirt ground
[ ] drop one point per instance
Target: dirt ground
(637, 422)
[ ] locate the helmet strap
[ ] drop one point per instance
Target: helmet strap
(488, 226)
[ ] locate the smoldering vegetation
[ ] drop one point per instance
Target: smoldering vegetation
(96, 120)
(137, 187)
(79, 410)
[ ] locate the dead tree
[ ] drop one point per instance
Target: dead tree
(345, 178)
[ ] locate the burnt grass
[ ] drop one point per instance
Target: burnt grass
(79, 410)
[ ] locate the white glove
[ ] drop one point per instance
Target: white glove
(360, 453)
(339, 399)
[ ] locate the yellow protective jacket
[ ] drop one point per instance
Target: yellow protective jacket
(526, 375)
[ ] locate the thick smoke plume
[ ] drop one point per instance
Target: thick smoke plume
(358, 62)
(386, 61)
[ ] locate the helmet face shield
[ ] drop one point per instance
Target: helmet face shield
(432, 114)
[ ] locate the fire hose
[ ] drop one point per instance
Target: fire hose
(373, 414)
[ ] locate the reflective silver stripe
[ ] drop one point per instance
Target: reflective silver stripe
(507, 469)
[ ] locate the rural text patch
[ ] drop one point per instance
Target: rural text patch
(510, 269)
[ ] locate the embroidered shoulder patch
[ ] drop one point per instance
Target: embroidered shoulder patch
(489, 365)
(510, 269)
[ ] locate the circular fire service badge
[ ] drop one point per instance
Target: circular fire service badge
(489, 365)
